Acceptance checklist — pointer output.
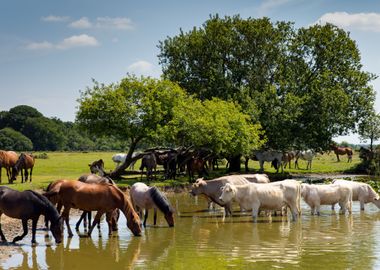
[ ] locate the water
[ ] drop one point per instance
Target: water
(202, 240)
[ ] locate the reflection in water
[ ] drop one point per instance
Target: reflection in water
(201, 239)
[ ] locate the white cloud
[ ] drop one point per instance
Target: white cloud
(78, 41)
(361, 21)
(144, 68)
(114, 23)
(268, 5)
(52, 18)
(39, 45)
(68, 43)
(82, 23)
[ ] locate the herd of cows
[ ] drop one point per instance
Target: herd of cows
(255, 193)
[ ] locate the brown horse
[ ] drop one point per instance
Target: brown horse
(54, 187)
(340, 150)
(103, 198)
(23, 164)
(27, 205)
(8, 159)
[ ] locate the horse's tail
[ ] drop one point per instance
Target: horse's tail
(160, 200)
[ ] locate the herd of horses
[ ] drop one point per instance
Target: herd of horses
(15, 164)
(98, 192)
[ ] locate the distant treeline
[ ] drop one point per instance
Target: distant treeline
(23, 128)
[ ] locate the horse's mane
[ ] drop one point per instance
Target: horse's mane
(160, 200)
(51, 211)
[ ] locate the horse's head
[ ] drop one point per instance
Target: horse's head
(134, 223)
(56, 229)
(169, 216)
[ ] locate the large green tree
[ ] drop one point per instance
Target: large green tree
(369, 129)
(304, 85)
(136, 109)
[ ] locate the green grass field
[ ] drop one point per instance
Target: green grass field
(71, 165)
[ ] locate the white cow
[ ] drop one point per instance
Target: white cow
(257, 197)
(254, 178)
(307, 155)
(361, 192)
(269, 155)
(317, 195)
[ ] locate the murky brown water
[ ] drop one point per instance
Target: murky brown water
(201, 240)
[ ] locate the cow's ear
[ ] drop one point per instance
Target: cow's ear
(202, 183)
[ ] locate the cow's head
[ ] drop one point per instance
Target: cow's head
(228, 193)
(197, 187)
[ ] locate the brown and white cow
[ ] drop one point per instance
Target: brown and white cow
(317, 195)
(212, 189)
(257, 197)
(361, 192)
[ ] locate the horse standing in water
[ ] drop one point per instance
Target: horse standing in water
(103, 198)
(340, 150)
(27, 205)
(144, 197)
(24, 162)
(8, 159)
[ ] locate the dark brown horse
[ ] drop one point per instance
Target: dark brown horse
(23, 164)
(103, 198)
(27, 205)
(149, 161)
(8, 159)
(340, 150)
(196, 165)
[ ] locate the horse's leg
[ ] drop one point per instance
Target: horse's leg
(337, 157)
(145, 217)
(109, 222)
(30, 174)
(65, 215)
(96, 221)
(26, 174)
(83, 216)
(1, 231)
(154, 216)
(34, 228)
(25, 227)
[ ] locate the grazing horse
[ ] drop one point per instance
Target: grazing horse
(144, 197)
(307, 155)
(8, 159)
(27, 205)
(341, 150)
(24, 162)
(149, 161)
(103, 198)
(269, 155)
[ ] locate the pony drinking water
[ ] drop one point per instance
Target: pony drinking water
(103, 198)
(27, 205)
(144, 197)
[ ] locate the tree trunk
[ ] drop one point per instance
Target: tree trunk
(234, 164)
(121, 169)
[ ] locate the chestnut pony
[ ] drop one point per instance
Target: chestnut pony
(24, 162)
(103, 198)
(8, 159)
(340, 150)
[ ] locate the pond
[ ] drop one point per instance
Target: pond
(202, 240)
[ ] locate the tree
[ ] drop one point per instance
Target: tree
(16, 116)
(303, 86)
(369, 128)
(44, 133)
(217, 125)
(136, 109)
(13, 140)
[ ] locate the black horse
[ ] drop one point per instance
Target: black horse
(27, 205)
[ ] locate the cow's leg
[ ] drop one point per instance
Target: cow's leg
(1, 231)
(342, 208)
(361, 205)
(318, 208)
(255, 212)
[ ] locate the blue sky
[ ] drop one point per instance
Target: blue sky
(50, 49)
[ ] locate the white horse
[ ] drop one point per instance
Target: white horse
(269, 156)
(307, 155)
(121, 157)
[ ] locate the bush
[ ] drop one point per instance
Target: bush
(14, 140)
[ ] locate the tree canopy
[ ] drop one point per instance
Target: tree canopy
(304, 86)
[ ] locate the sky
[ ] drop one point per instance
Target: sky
(50, 50)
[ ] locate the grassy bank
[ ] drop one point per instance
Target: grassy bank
(70, 165)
